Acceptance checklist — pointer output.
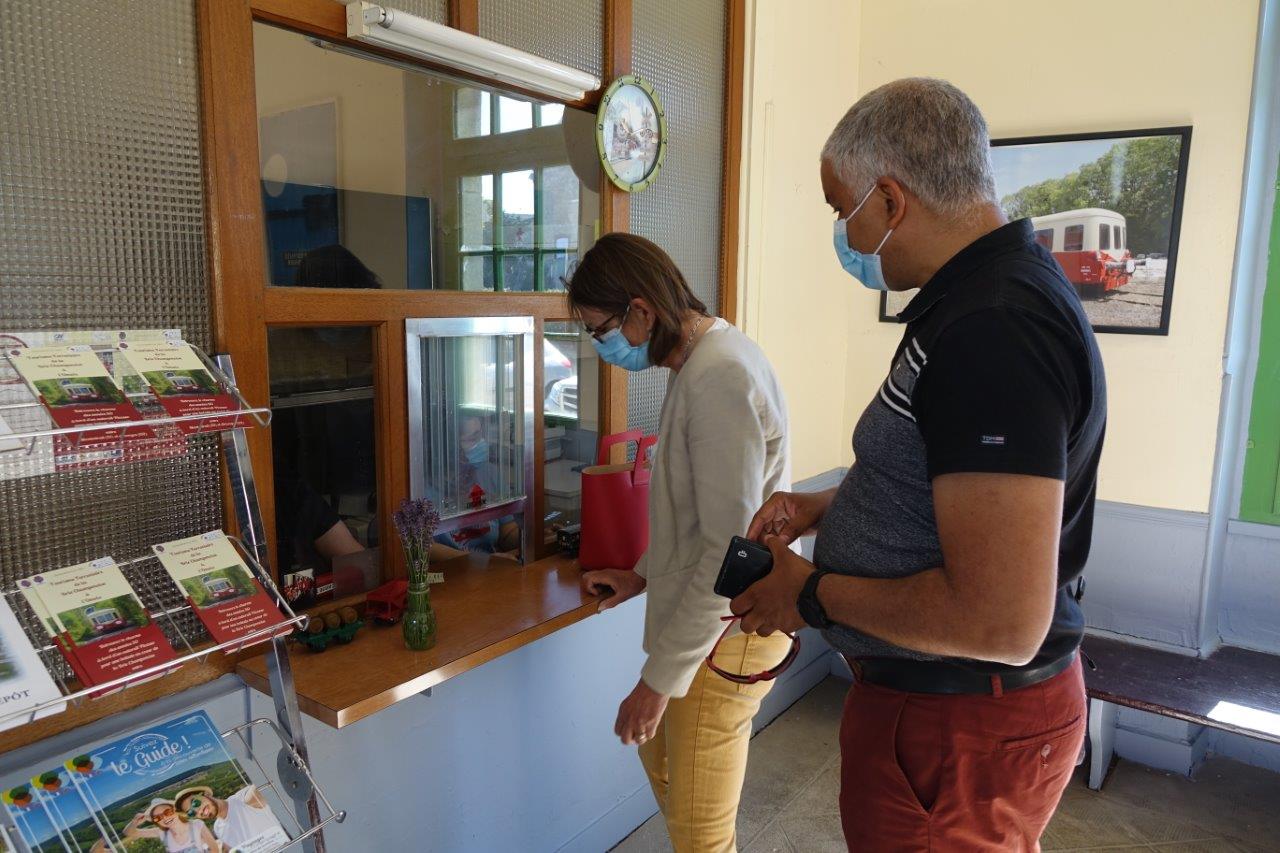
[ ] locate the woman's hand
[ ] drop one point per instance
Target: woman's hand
(639, 715)
(621, 585)
(789, 515)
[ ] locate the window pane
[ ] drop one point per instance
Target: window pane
(517, 209)
(517, 272)
(549, 114)
(472, 113)
(1045, 238)
(1073, 238)
(555, 270)
(477, 272)
(570, 411)
(475, 206)
(560, 206)
(514, 114)
(1104, 238)
(323, 453)
(373, 175)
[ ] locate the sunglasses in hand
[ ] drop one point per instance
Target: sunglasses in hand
(742, 678)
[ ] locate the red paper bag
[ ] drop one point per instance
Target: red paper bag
(615, 506)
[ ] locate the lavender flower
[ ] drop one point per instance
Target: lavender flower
(416, 521)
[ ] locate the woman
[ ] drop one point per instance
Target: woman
(175, 831)
(722, 450)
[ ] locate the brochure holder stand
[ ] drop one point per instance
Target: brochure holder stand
(293, 782)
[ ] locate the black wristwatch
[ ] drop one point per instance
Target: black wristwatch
(811, 610)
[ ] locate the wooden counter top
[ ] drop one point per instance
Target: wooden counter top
(485, 608)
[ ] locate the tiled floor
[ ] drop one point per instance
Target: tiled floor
(789, 800)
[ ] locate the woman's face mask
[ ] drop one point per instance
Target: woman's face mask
(614, 348)
(865, 268)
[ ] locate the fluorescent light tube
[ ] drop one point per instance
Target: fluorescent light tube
(400, 31)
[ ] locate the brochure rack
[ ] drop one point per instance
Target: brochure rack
(293, 782)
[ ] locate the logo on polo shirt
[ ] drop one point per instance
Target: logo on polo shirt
(993, 440)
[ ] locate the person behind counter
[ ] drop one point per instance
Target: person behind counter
(722, 448)
(945, 561)
(477, 479)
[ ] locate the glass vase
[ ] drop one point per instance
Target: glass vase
(419, 622)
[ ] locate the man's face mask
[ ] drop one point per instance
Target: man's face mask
(865, 268)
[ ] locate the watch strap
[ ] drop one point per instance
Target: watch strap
(811, 609)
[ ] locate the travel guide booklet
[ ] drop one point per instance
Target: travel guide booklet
(73, 823)
(24, 682)
(98, 621)
(177, 783)
(77, 389)
(32, 820)
(180, 381)
(221, 589)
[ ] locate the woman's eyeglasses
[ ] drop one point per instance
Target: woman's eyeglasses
(742, 678)
(598, 332)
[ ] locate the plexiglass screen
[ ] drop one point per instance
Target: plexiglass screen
(570, 410)
(374, 176)
(470, 434)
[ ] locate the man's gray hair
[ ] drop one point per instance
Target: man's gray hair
(926, 134)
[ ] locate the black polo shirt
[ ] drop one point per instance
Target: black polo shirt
(998, 371)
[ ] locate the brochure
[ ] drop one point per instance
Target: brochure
(222, 590)
(177, 783)
(24, 682)
(74, 825)
(77, 389)
(100, 624)
(31, 819)
(47, 454)
(180, 381)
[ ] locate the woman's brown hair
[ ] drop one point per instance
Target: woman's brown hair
(622, 267)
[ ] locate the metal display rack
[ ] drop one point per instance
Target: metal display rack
(293, 782)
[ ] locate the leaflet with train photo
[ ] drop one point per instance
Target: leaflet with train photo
(97, 620)
(77, 389)
(223, 592)
(180, 382)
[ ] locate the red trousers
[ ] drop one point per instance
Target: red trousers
(925, 772)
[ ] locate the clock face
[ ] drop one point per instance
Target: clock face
(631, 133)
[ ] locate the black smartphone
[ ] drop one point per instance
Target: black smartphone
(745, 563)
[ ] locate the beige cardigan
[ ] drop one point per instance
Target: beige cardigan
(722, 450)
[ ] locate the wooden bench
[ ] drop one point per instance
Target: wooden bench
(1233, 690)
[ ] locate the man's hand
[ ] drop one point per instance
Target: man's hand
(619, 583)
(639, 715)
(769, 604)
(789, 515)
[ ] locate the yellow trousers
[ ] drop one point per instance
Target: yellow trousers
(698, 758)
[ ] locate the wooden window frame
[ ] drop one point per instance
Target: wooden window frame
(245, 306)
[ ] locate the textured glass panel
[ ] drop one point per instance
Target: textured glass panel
(568, 31)
(679, 47)
(432, 10)
(102, 227)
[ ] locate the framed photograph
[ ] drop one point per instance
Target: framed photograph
(1109, 208)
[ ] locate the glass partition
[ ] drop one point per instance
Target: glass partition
(471, 427)
(323, 452)
(570, 410)
(375, 176)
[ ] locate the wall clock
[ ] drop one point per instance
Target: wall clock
(631, 133)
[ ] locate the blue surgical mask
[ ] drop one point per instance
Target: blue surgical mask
(614, 348)
(478, 453)
(865, 268)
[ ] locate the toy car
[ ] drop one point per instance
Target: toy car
(336, 626)
(386, 604)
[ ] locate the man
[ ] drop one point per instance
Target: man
(945, 561)
(242, 822)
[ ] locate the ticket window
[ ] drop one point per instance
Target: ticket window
(324, 458)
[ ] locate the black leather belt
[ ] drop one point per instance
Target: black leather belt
(914, 676)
